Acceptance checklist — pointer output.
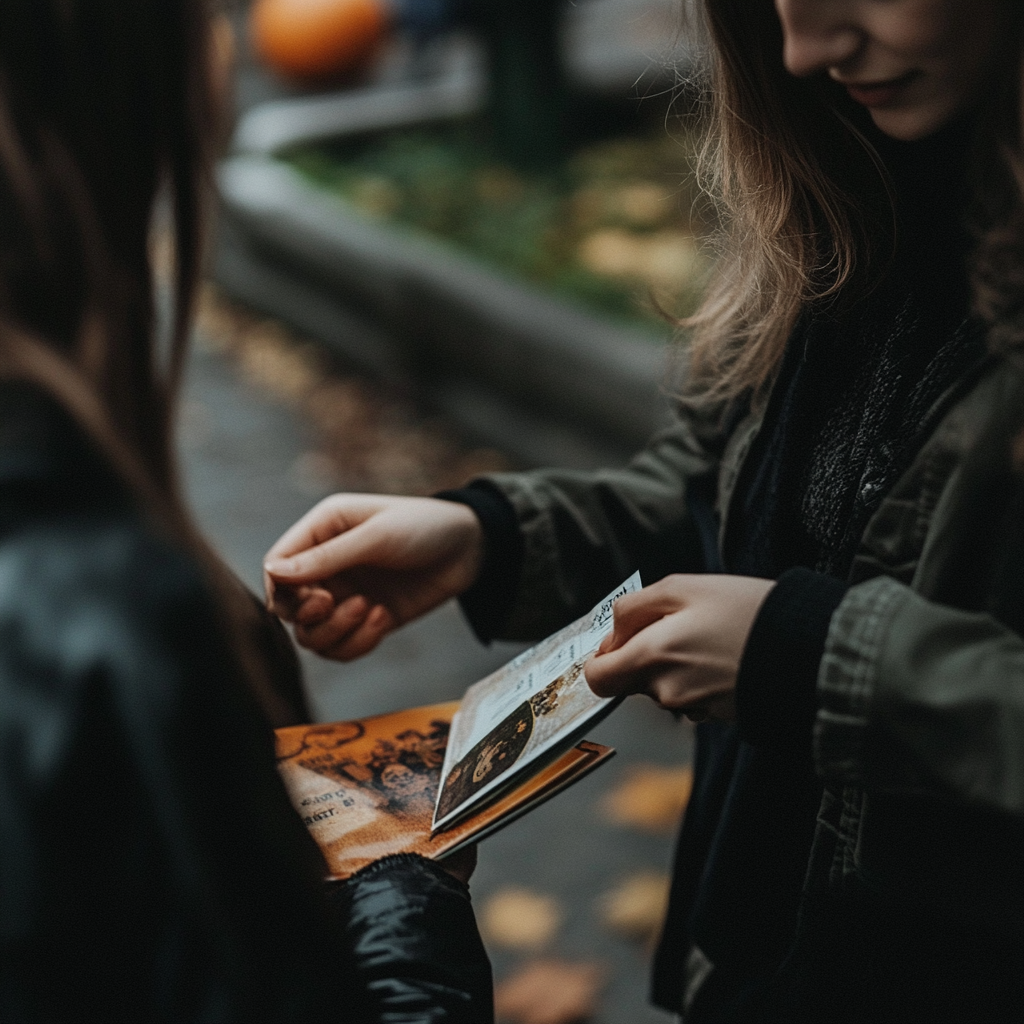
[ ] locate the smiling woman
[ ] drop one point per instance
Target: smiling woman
(915, 64)
(832, 532)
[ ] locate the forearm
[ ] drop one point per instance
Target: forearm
(582, 533)
(414, 944)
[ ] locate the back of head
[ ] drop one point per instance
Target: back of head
(107, 117)
(105, 107)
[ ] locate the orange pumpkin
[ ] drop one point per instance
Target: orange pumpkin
(312, 40)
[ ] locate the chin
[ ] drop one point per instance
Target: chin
(910, 125)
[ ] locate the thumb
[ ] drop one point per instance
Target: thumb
(611, 674)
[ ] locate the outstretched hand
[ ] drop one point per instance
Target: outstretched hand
(680, 641)
(357, 566)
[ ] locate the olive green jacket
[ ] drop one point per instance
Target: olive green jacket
(921, 688)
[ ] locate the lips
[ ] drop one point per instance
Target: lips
(879, 94)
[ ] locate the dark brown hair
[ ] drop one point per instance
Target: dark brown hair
(805, 204)
(104, 108)
(107, 120)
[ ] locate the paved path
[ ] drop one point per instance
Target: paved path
(241, 450)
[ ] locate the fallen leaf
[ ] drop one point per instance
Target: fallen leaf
(613, 252)
(519, 919)
(549, 992)
(651, 797)
(370, 437)
(636, 908)
(643, 203)
(669, 259)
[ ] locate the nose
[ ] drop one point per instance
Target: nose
(817, 34)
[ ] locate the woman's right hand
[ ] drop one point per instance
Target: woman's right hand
(357, 566)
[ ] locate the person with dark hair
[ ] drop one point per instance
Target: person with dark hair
(151, 865)
(832, 532)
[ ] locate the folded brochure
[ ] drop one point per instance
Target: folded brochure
(432, 780)
(366, 789)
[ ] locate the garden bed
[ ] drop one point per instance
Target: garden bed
(568, 369)
(614, 229)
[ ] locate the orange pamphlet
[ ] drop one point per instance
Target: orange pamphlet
(367, 789)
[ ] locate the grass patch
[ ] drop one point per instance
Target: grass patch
(614, 229)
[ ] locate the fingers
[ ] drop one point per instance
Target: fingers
(629, 668)
(333, 515)
(353, 548)
(329, 519)
(378, 623)
(316, 606)
(617, 672)
(353, 629)
(321, 633)
(668, 661)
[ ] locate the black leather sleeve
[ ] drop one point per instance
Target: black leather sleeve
(151, 865)
(414, 944)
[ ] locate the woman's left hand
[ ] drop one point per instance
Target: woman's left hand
(680, 641)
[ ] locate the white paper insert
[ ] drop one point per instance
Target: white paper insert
(548, 679)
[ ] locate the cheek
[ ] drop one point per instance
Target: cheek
(954, 38)
(927, 32)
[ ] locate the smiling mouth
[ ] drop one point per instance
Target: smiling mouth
(879, 94)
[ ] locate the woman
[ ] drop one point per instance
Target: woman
(845, 485)
(151, 867)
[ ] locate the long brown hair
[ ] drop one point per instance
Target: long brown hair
(104, 106)
(107, 117)
(806, 206)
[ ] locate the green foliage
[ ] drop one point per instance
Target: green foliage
(612, 225)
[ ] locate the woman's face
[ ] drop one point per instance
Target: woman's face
(915, 64)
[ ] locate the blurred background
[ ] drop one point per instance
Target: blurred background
(453, 234)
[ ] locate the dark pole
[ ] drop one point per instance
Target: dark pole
(527, 99)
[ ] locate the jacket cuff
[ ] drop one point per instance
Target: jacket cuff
(414, 944)
(848, 679)
(488, 602)
(776, 697)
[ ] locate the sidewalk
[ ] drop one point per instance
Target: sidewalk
(542, 887)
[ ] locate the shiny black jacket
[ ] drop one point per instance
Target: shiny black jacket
(151, 867)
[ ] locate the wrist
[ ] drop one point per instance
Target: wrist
(473, 544)
(776, 687)
(488, 598)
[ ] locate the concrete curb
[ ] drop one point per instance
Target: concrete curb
(542, 378)
(428, 314)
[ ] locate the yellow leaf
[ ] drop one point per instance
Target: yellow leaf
(549, 992)
(636, 908)
(519, 919)
(651, 798)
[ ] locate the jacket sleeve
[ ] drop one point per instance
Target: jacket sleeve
(416, 951)
(152, 865)
(920, 698)
(584, 532)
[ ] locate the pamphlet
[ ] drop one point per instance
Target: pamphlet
(524, 714)
(366, 789)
